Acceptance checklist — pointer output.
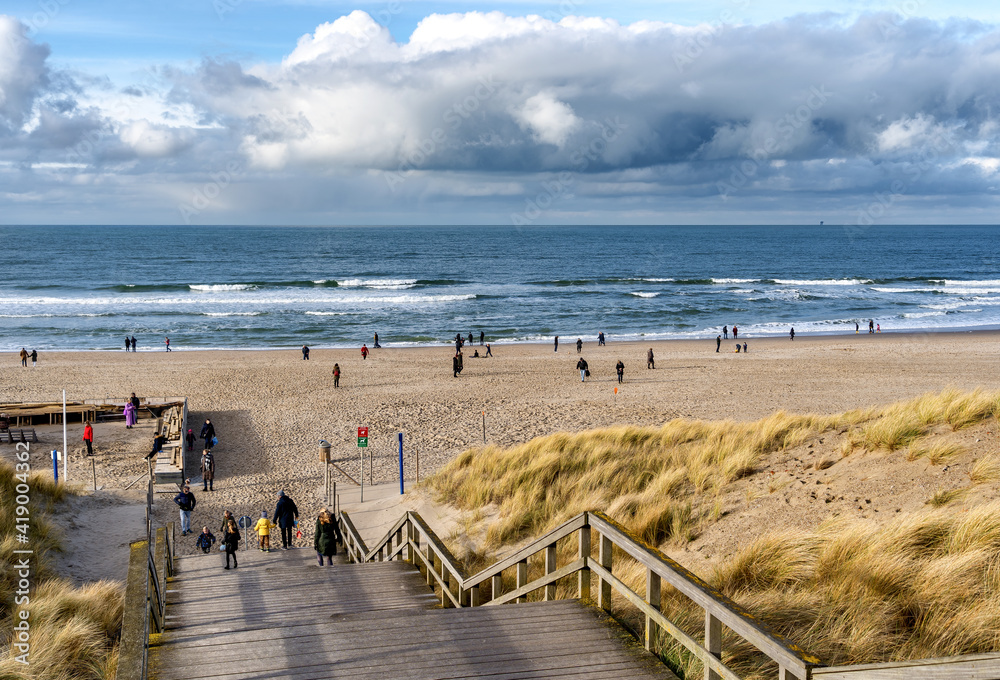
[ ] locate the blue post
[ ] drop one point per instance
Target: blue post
(400, 463)
(55, 465)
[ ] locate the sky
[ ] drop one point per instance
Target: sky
(521, 112)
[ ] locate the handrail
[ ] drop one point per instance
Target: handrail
(410, 539)
(145, 607)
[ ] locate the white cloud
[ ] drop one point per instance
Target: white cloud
(22, 73)
(549, 120)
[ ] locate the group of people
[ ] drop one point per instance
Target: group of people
(25, 355)
(129, 343)
(326, 535)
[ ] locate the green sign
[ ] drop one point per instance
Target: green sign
(363, 442)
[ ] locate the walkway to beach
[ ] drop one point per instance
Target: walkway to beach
(282, 616)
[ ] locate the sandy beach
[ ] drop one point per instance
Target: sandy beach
(271, 408)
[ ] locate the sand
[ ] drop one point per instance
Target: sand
(271, 408)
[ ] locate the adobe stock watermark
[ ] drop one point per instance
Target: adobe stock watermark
(867, 214)
(47, 11)
(204, 195)
(696, 44)
(784, 129)
(454, 116)
(901, 11)
(559, 188)
(21, 567)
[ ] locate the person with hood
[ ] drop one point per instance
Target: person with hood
(131, 415)
(206, 539)
(208, 433)
(263, 528)
(190, 439)
(285, 514)
(326, 537)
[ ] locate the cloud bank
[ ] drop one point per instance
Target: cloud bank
(485, 117)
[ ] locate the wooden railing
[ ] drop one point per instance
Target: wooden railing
(149, 567)
(410, 539)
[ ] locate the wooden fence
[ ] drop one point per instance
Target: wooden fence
(410, 539)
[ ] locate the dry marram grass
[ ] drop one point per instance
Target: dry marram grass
(74, 631)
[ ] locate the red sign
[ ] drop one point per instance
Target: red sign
(362, 431)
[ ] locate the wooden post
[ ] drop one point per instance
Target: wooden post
(430, 565)
(497, 586)
(604, 587)
(415, 538)
(445, 586)
(93, 467)
(550, 566)
(653, 598)
(785, 674)
(583, 582)
(399, 541)
(713, 642)
(522, 578)
(473, 596)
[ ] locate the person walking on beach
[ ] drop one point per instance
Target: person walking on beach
(208, 434)
(791, 334)
(718, 342)
(34, 358)
(579, 345)
(130, 415)
(471, 341)
(231, 540)
(871, 325)
(186, 501)
(376, 345)
(285, 514)
(364, 352)
(857, 328)
(556, 344)
(133, 343)
(878, 328)
(744, 346)
(582, 366)
(325, 537)
(88, 438)
(305, 353)
(128, 343)
(489, 352)
(263, 528)
(725, 332)
(600, 339)
(457, 363)
(649, 359)
(482, 338)
(167, 341)
(336, 375)
(620, 370)
(207, 470)
(24, 357)
(736, 332)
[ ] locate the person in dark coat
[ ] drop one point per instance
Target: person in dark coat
(208, 433)
(620, 369)
(285, 514)
(159, 439)
(186, 501)
(207, 470)
(231, 539)
(135, 402)
(128, 344)
(456, 364)
(133, 343)
(326, 537)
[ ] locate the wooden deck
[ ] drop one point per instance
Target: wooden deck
(280, 615)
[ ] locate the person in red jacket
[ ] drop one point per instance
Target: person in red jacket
(88, 438)
(364, 351)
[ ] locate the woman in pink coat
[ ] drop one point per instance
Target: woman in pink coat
(130, 415)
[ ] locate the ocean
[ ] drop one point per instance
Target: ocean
(86, 287)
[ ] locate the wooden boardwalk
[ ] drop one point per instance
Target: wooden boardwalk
(280, 615)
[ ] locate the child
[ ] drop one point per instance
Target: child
(190, 439)
(263, 529)
(205, 540)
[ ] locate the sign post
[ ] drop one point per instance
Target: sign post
(401, 464)
(362, 445)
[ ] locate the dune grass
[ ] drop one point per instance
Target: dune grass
(928, 584)
(74, 631)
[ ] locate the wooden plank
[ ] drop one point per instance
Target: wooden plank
(563, 530)
(132, 649)
(689, 642)
(966, 667)
(540, 582)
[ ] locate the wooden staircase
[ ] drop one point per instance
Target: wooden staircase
(280, 615)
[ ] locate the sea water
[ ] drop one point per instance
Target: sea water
(87, 287)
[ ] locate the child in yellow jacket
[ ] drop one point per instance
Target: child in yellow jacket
(263, 528)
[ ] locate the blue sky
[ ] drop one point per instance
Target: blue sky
(739, 111)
